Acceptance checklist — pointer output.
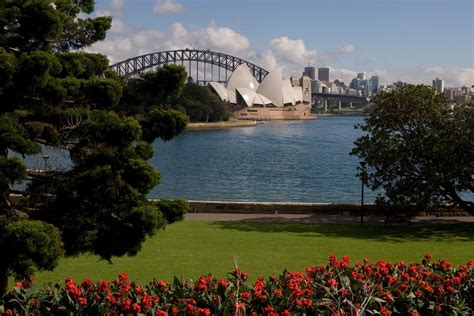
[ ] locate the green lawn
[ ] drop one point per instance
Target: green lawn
(189, 249)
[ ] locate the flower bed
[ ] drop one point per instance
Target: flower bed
(338, 288)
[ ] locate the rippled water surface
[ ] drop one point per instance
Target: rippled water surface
(277, 161)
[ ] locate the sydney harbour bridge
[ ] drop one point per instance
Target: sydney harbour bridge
(204, 66)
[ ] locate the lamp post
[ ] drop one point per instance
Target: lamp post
(45, 162)
(363, 165)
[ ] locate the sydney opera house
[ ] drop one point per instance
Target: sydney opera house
(272, 99)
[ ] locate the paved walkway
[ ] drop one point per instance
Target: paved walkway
(318, 219)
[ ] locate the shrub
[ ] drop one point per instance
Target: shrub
(380, 288)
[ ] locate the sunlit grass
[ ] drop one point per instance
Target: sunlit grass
(189, 249)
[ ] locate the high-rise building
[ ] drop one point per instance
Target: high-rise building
(310, 72)
(438, 85)
(375, 83)
(355, 83)
(361, 75)
(323, 74)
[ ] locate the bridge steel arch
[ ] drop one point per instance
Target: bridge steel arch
(133, 66)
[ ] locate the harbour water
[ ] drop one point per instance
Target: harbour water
(281, 161)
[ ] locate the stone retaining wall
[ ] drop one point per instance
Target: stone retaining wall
(302, 208)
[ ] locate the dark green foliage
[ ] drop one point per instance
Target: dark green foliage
(164, 85)
(12, 170)
(173, 210)
(163, 124)
(14, 137)
(201, 105)
(418, 149)
(54, 95)
(157, 88)
(37, 244)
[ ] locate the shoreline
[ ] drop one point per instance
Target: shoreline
(197, 126)
(219, 125)
(313, 208)
(351, 113)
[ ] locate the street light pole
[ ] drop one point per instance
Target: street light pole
(45, 162)
(363, 170)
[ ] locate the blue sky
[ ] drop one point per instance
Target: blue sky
(409, 40)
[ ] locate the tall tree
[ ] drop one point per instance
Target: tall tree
(419, 149)
(201, 105)
(51, 94)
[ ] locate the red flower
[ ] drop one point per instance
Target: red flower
(126, 304)
(223, 283)
(384, 311)
(82, 300)
(110, 299)
(136, 308)
(268, 310)
(204, 312)
(428, 256)
(175, 310)
(245, 295)
(331, 283)
(19, 284)
(161, 313)
(123, 277)
(146, 301)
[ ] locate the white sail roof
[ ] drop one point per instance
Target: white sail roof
(248, 95)
(271, 87)
(242, 86)
(220, 90)
(261, 100)
(298, 92)
(242, 78)
(288, 95)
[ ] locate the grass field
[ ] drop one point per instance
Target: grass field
(189, 249)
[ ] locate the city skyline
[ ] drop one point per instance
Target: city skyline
(411, 41)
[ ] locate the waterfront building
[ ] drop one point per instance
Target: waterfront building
(355, 84)
(438, 85)
(367, 88)
(273, 98)
(295, 81)
(465, 90)
(323, 74)
(310, 72)
(375, 83)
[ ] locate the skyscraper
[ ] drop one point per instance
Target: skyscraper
(323, 74)
(361, 75)
(375, 83)
(438, 85)
(310, 72)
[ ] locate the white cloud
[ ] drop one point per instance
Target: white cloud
(118, 26)
(293, 51)
(453, 76)
(266, 60)
(167, 6)
(125, 41)
(117, 5)
(349, 48)
(221, 39)
(103, 13)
